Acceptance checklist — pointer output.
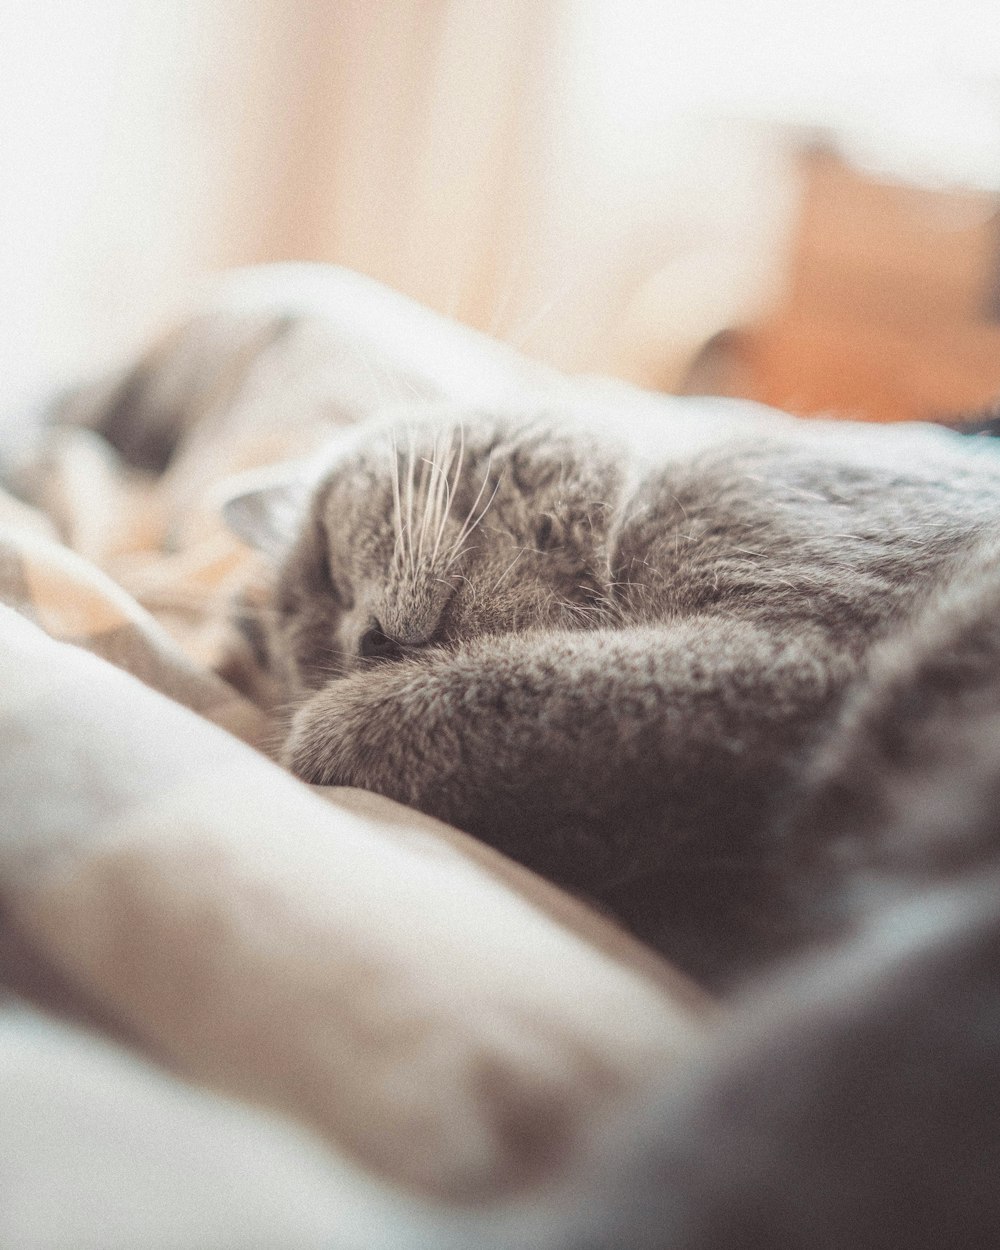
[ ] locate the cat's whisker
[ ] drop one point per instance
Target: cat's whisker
(457, 546)
(468, 528)
(508, 570)
(415, 461)
(331, 656)
(449, 490)
(397, 507)
(589, 608)
(445, 513)
(438, 468)
(580, 612)
(432, 519)
(423, 502)
(519, 334)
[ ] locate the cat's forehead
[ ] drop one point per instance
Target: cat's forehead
(526, 449)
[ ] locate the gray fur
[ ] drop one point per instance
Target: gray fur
(612, 664)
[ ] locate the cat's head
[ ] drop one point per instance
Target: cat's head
(430, 531)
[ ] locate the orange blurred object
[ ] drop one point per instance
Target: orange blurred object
(891, 305)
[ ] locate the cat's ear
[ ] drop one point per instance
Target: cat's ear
(724, 365)
(267, 510)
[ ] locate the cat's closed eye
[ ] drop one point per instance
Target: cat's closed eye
(546, 534)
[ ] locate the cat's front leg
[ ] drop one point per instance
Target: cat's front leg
(641, 767)
(392, 729)
(587, 755)
(509, 738)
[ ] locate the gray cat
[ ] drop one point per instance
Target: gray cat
(614, 663)
(748, 699)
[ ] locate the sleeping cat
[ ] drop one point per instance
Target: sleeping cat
(746, 699)
(611, 661)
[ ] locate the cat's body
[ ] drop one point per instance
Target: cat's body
(853, 1104)
(611, 662)
(854, 1100)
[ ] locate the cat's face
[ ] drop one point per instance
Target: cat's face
(434, 532)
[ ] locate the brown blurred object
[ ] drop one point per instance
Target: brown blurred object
(891, 310)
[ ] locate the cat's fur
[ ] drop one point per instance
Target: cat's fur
(615, 665)
(852, 1105)
(854, 1101)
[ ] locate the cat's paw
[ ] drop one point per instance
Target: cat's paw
(322, 746)
(377, 731)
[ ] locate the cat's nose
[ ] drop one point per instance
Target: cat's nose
(376, 644)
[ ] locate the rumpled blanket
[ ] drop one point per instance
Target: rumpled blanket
(238, 1011)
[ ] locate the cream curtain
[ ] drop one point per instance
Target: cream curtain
(576, 176)
(459, 150)
(452, 148)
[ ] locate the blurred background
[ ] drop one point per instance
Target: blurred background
(794, 202)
